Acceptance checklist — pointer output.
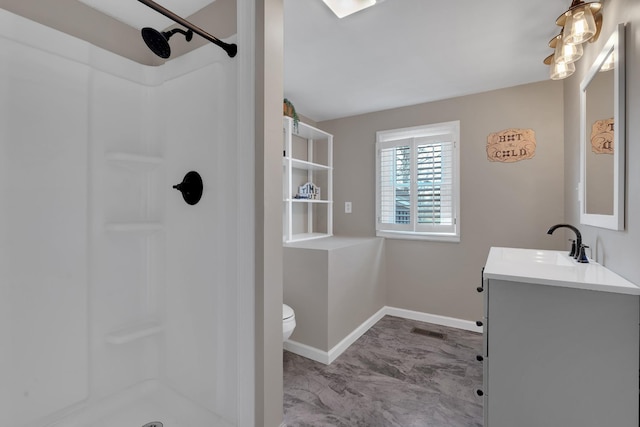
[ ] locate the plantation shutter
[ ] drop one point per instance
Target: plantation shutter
(394, 185)
(434, 205)
(416, 181)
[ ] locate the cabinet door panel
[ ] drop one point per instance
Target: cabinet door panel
(561, 357)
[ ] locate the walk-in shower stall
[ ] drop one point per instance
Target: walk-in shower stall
(119, 302)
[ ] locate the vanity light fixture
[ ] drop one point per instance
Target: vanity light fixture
(580, 23)
(559, 70)
(565, 52)
(344, 8)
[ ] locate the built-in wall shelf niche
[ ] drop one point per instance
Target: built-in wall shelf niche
(134, 227)
(307, 158)
(134, 332)
(133, 159)
(133, 190)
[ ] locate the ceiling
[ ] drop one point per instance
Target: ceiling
(407, 52)
(396, 53)
(115, 25)
(139, 15)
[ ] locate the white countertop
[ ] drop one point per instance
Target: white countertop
(553, 268)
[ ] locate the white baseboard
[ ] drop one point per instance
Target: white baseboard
(328, 357)
(306, 351)
(451, 322)
(353, 336)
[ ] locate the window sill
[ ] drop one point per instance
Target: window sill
(408, 235)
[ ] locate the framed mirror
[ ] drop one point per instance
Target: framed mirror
(602, 137)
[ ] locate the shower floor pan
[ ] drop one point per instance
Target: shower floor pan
(143, 404)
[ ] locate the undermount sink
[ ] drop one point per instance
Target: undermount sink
(537, 256)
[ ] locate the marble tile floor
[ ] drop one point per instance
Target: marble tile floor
(390, 377)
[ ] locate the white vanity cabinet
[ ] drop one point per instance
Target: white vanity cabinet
(560, 342)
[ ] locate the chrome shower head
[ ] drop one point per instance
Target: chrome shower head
(158, 41)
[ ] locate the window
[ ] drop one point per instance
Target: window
(417, 182)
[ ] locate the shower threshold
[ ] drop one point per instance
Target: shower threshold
(147, 404)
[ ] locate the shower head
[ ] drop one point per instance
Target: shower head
(230, 48)
(158, 41)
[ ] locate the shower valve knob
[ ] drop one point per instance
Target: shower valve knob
(191, 187)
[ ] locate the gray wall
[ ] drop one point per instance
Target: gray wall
(357, 288)
(334, 285)
(501, 204)
(618, 250)
(305, 289)
(269, 53)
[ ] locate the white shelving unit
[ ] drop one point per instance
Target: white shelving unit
(307, 157)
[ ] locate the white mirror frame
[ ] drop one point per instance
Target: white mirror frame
(614, 45)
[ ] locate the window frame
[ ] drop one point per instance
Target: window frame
(408, 137)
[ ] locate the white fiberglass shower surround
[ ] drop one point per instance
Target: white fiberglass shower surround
(119, 303)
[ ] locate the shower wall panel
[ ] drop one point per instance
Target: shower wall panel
(118, 301)
(43, 281)
(202, 251)
(125, 193)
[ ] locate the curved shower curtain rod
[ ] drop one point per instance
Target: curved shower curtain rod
(230, 48)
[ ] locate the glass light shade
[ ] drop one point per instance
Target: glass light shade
(566, 52)
(580, 25)
(562, 70)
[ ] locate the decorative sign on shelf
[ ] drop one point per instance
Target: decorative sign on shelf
(511, 145)
(602, 136)
(308, 191)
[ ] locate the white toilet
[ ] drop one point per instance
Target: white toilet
(288, 321)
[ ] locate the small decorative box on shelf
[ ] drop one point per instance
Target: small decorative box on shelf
(308, 191)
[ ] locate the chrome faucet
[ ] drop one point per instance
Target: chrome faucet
(579, 254)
